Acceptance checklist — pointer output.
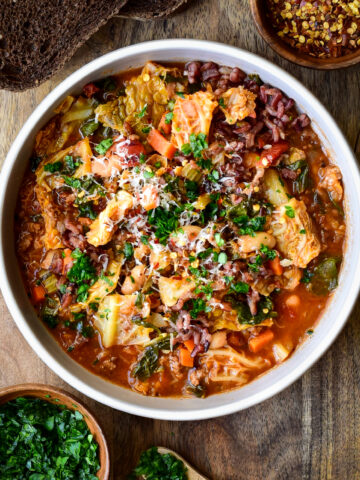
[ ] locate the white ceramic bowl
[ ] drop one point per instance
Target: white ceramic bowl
(267, 385)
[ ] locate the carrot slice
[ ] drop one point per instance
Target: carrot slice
(189, 344)
(38, 293)
(275, 266)
(163, 126)
(185, 357)
(160, 144)
(258, 343)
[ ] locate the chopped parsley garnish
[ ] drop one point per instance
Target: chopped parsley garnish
(53, 167)
(73, 182)
(40, 440)
(192, 190)
(146, 129)
(180, 94)
(165, 222)
(255, 265)
(289, 211)
(221, 102)
(82, 273)
(207, 290)
(142, 112)
(247, 226)
(302, 231)
(222, 258)
(228, 279)
(154, 466)
(86, 210)
(144, 239)
(197, 306)
(89, 128)
(240, 287)
(104, 146)
(142, 158)
(70, 165)
(270, 254)
(168, 117)
(197, 144)
(214, 176)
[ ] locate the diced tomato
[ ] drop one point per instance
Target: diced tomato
(268, 157)
(38, 293)
(90, 89)
(122, 154)
(160, 144)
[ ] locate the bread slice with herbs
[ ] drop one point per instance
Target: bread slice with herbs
(38, 36)
(152, 9)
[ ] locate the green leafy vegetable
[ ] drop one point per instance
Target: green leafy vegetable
(103, 146)
(323, 278)
(128, 250)
(168, 117)
(89, 128)
(41, 441)
(149, 360)
(142, 112)
(302, 181)
(82, 273)
(265, 309)
(239, 287)
(154, 466)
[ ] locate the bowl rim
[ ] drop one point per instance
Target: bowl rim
(292, 54)
(207, 48)
(45, 393)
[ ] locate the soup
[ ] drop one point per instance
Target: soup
(180, 228)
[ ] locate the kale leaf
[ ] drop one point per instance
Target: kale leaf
(149, 361)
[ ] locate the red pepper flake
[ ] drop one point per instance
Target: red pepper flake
(321, 29)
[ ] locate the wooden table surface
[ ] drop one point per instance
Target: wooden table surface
(309, 431)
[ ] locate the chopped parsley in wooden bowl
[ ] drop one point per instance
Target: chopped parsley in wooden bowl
(47, 434)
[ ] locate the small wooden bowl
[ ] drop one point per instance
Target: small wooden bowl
(60, 397)
(259, 13)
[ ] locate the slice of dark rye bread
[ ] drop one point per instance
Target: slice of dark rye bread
(152, 9)
(38, 36)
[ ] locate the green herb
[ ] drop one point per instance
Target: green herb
(199, 391)
(53, 167)
(307, 275)
(207, 290)
(255, 78)
(221, 102)
(80, 273)
(289, 211)
(70, 165)
(142, 158)
(192, 190)
(154, 466)
(180, 94)
(302, 231)
(228, 279)
(197, 306)
(255, 265)
(168, 117)
(336, 205)
(104, 146)
(89, 128)
(240, 287)
(310, 331)
(139, 302)
(149, 360)
(270, 254)
(86, 210)
(197, 144)
(214, 176)
(128, 250)
(144, 239)
(186, 149)
(164, 221)
(142, 112)
(73, 182)
(41, 441)
(146, 129)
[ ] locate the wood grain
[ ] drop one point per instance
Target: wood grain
(309, 431)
